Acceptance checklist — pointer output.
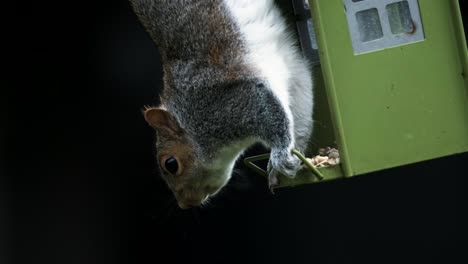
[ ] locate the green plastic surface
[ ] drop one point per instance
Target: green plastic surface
(398, 105)
(389, 107)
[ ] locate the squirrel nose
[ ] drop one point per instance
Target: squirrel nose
(187, 197)
(183, 206)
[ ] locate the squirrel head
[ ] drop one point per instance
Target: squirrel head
(191, 176)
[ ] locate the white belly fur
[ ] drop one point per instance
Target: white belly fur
(271, 51)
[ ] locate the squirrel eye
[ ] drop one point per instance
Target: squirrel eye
(171, 165)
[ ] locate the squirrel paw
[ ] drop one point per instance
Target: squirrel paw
(284, 162)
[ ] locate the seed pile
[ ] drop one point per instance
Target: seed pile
(326, 157)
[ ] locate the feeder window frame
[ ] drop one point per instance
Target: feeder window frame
(361, 41)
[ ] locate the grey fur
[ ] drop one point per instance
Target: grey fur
(213, 95)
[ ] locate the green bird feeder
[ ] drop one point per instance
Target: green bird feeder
(390, 83)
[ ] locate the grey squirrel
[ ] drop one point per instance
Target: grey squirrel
(233, 76)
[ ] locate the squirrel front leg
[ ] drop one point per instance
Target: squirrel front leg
(277, 132)
(252, 110)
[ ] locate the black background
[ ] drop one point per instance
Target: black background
(79, 183)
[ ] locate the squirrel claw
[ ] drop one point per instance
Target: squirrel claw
(273, 181)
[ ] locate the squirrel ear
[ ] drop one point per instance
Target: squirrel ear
(159, 119)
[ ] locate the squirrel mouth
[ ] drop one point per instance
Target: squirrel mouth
(190, 204)
(186, 204)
